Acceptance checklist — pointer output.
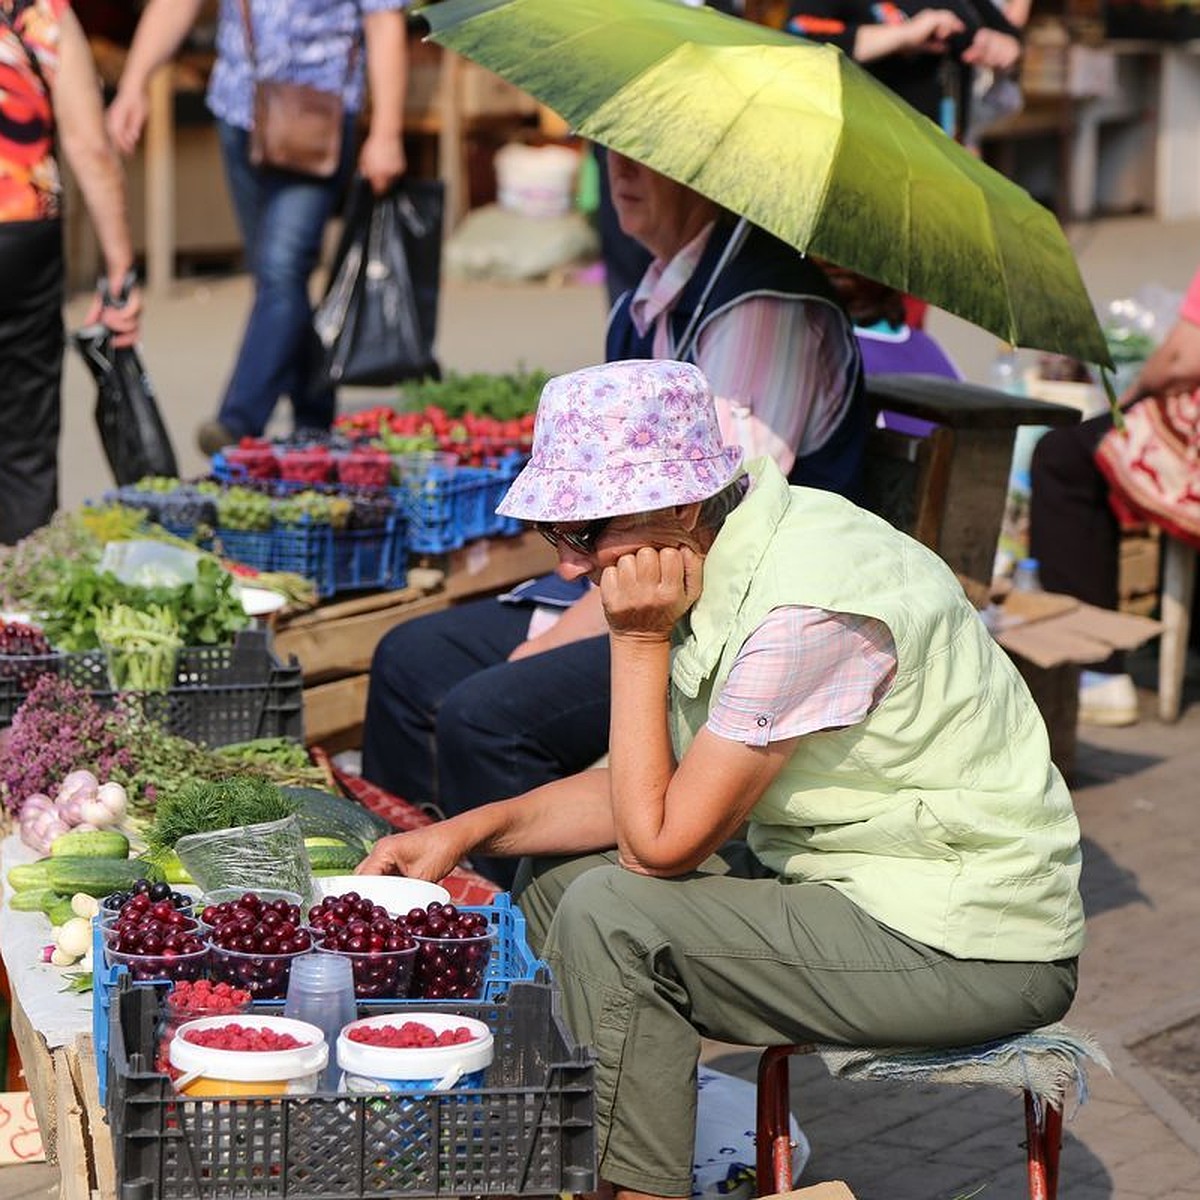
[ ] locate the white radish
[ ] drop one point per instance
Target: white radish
(60, 958)
(83, 905)
(75, 937)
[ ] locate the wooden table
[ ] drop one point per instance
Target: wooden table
(335, 641)
(53, 1033)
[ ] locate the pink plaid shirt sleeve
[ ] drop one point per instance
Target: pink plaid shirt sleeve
(804, 670)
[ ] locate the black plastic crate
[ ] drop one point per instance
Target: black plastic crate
(529, 1131)
(221, 694)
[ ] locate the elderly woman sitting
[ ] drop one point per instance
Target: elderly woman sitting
(782, 658)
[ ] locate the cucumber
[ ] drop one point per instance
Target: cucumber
(24, 876)
(34, 900)
(172, 868)
(326, 856)
(327, 815)
(100, 876)
(91, 843)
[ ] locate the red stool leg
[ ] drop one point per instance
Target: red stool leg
(1043, 1143)
(773, 1135)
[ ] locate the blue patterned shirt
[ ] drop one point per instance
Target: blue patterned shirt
(297, 41)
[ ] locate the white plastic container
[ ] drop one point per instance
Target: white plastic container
(379, 1069)
(536, 181)
(208, 1071)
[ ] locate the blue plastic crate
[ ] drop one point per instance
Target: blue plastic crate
(370, 558)
(305, 550)
(429, 505)
(512, 961)
(503, 471)
(472, 514)
(251, 548)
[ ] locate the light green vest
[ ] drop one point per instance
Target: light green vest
(940, 814)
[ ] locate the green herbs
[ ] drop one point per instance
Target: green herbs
(204, 806)
(503, 396)
(206, 611)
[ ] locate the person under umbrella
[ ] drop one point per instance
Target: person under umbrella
(486, 699)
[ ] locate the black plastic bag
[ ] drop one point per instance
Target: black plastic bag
(131, 428)
(378, 318)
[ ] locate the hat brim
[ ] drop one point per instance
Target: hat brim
(557, 495)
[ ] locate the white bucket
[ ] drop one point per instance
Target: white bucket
(536, 181)
(209, 1071)
(377, 1069)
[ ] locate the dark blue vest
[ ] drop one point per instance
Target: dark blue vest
(763, 264)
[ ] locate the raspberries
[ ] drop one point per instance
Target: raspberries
(204, 996)
(409, 1036)
(242, 1037)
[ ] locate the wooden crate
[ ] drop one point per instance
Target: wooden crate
(1138, 571)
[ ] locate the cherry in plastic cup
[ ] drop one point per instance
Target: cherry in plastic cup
(168, 965)
(264, 976)
(380, 974)
(451, 968)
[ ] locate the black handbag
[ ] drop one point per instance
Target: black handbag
(131, 427)
(378, 318)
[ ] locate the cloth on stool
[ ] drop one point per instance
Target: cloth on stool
(1048, 1062)
(1153, 465)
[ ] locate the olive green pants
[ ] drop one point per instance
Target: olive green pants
(648, 967)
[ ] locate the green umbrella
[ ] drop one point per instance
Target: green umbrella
(798, 139)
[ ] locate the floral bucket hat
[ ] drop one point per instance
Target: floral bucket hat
(623, 437)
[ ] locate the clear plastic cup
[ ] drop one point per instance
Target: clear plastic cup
(321, 991)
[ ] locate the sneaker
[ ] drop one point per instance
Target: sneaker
(1107, 699)
(213, 436)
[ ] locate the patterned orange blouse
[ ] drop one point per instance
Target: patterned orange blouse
(30, 188)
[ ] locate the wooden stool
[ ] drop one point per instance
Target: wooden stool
(1175, 611)
(1008, 1063)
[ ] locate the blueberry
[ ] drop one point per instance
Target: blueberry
(160, 891)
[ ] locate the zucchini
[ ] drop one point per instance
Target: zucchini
(327, 856)
(41, 899)
(327, 815)
(24, 876)
(100, 876)
(91, 843)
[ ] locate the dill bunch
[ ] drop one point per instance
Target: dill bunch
(203, 806)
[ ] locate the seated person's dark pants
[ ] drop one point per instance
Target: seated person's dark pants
(451, 722)
(1072, 530)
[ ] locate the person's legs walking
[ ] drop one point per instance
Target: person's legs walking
(31, 352)
(282, 218)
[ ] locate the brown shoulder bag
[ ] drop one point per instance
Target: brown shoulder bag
(296, 127)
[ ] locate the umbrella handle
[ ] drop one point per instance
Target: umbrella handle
(740, 232)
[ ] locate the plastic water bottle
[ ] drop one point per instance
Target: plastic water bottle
(1005, 373)
(1025, 576)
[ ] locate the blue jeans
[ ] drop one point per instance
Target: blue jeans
(451, 722)
(282, 218)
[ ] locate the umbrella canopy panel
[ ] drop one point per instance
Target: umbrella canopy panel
(798, 139)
